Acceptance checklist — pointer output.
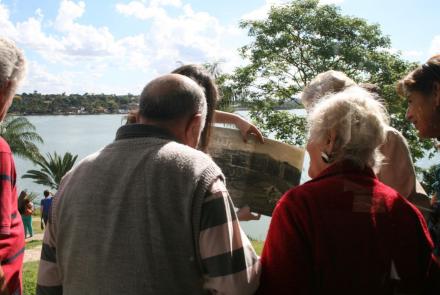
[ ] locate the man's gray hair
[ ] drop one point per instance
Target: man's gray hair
(12, 62)
(359, 122)
(324, 84)
(169, 99)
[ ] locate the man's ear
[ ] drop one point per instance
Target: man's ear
(193, 130)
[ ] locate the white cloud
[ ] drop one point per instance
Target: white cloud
(412, 54)
(189, 36)
(435, 46)
(88, 55)
(324, 2)
(41, 79)
(7, 29)
(262, 12)
(68, 12)
(139, 10)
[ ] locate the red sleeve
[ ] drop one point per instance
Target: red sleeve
(286, 259)
(5, 193)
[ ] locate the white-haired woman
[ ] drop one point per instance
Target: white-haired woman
(397, 169)
(12, 68)
(345, 232)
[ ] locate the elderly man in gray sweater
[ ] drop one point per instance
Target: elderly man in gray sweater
(148, 213)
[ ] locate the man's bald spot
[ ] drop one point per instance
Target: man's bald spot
(171, 97)
(164, 85)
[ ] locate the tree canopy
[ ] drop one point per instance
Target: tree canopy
(22, 137)
(301, 39)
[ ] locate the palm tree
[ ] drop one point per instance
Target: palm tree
(22, 137)
(52, 169)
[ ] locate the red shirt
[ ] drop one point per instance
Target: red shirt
(11, 225)
(343, 233)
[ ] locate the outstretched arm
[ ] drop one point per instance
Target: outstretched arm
(242, 124)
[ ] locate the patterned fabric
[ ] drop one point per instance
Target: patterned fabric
(11, 225)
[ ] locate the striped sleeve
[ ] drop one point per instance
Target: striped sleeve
(229, 261)
(49, 281)
(5, 193)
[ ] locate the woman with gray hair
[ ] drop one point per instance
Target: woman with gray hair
(397, 169)
(345, 232)
(12, 68)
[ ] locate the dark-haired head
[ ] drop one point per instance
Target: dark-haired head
(422, 89)
(46, 193)
(200, 75)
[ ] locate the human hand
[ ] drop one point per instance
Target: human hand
(247, 128)
(245, 214)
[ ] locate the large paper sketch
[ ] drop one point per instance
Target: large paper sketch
(256, 174)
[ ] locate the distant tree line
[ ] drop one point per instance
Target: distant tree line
(62, 104)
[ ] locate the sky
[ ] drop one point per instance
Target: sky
(115, 46)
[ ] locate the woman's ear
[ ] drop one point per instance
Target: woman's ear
(331, 141)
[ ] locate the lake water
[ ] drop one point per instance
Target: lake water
(83, 135)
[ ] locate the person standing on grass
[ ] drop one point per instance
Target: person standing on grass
(45, 206)
(27, 218)
(157, 218)
(12, 69)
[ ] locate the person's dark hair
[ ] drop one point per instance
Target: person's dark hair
(372, 88)
(422, 79)
(46, 193)
(21, 201)
(206, 81)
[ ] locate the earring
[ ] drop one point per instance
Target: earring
(326, 158)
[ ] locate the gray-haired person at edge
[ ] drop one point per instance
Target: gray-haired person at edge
(397, 168)
(156, 217)
(12, 72)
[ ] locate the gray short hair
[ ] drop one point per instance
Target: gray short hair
(12, 62)
(324, 84)
(171, 99)
(359, 121)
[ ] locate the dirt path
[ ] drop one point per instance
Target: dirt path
(34, 253)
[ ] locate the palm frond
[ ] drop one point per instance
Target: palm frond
(52, 169)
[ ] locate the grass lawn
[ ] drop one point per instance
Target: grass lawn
(29, 277)
(258, 246)
(36, 226)
(30, 268)
(33, 244)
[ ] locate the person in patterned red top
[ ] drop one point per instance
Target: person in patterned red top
(12, 68)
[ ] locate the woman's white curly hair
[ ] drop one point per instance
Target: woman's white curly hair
(359, 122)
(12, 62)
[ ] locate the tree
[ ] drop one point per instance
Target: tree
(22, 137)
(301, 39)
(52, 169)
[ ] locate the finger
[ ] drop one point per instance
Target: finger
(254, 130)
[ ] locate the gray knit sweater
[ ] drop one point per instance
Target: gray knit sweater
(127, 218)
